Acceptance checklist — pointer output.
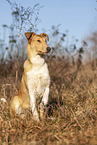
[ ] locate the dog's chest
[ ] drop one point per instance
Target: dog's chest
(38, 78)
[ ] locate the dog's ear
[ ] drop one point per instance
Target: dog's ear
(29, 35)
(44, 34)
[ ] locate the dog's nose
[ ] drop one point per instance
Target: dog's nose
(48, 49)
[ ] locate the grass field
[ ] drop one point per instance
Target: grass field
(71, 111)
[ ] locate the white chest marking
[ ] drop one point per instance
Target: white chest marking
(38, 77)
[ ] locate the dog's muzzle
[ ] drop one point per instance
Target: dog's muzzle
(48, 49)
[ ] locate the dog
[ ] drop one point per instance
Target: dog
(35, 80)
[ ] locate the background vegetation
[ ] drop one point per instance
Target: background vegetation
(72, 107)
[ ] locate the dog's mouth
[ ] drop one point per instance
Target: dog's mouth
(40, 52)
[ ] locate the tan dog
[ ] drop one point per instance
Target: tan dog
(35, 80)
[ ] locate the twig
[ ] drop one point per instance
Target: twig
(76, 119)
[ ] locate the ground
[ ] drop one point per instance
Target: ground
(71, 117)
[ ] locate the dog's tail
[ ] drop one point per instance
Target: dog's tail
(15, 106)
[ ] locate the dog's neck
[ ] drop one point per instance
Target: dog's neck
(33, 57)
(37, 60)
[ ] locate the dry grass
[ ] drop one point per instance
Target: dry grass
(71, 111)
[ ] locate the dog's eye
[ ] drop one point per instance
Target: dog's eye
(38, 40)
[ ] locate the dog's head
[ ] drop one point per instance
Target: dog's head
(38, 43)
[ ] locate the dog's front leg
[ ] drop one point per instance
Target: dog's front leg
(33, 107)
(44, 101)
(33, 103)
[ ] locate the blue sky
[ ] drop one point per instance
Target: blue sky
(76, 16)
